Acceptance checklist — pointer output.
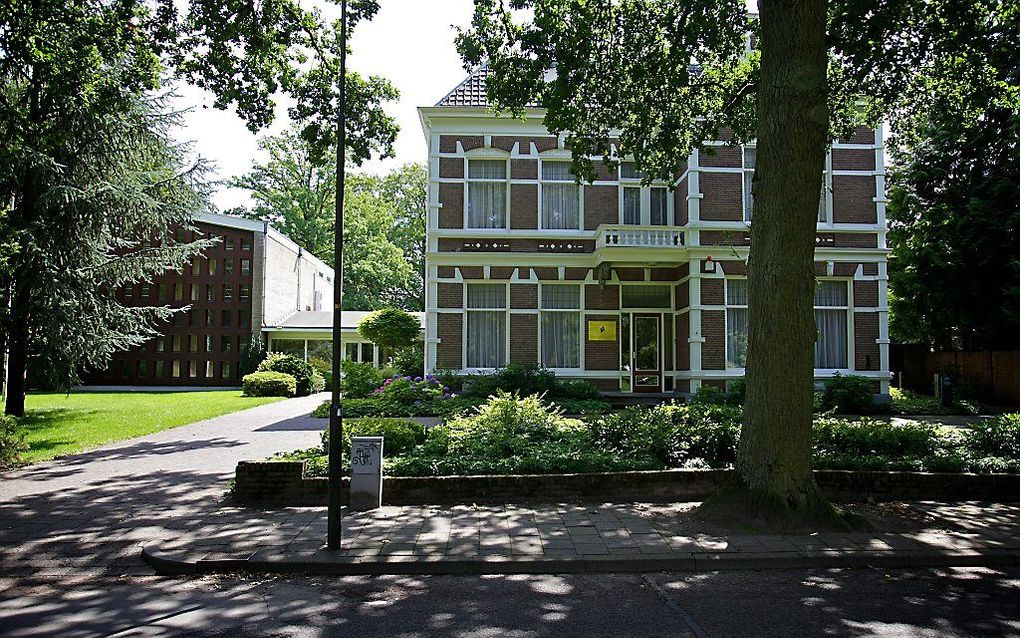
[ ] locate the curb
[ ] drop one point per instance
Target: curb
(167, 565)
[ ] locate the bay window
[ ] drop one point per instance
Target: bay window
(561, 325)
(561, 197)
(486, 325)
(486, 187)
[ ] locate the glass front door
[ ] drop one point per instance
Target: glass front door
(647, 368)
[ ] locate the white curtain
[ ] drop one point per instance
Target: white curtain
(736, 337)
(560, 206)
(632, 206)
(832, 293)
(561, 339)
(831, 346)
(658, 214)
(486, 296)
(561, 297)
(486, 339)
(486, 200)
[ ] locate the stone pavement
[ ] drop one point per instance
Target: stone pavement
(92, 512)
(568, 538)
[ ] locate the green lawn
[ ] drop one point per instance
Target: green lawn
(57, 424)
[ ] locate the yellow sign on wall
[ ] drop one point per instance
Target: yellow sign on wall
(601, 331)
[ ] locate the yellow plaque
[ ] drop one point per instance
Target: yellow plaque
(601, 331)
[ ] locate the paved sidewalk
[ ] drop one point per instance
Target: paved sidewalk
(567, 538)
(92, 512)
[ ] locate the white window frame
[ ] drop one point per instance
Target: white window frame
(726, 319)
(558, 182)
(848, 311)
(579, 311)
(468, 180)
(506, 323)
(644, 199)
(747, 174)
(825, 201)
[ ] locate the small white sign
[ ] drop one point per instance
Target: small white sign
(366, 455)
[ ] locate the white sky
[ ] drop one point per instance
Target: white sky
(410, 42)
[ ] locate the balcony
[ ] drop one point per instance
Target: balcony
(625, 236)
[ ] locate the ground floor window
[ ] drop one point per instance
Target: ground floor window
(486, 325)
(561, 325)
(736, 323)
(831, 311)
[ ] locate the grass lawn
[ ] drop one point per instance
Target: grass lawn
(57, 424)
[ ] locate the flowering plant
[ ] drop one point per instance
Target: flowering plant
(408, 390)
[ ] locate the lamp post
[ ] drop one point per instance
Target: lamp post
(336, 420)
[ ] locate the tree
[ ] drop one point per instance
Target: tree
(622, 70)
(295, 190)
(390, 328)
(71, 72)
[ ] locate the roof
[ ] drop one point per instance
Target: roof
(323, 319)
(470, 92)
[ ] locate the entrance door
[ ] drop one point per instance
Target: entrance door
(647, 368)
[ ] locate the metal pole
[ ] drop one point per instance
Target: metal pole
(336, 420)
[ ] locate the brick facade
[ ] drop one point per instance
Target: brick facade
(449, 329)
(602, 355)
(524, 337)
(866, 354)
(713, 350)
(722, 197)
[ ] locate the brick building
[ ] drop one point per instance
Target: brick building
(252, 281)
(637, 288)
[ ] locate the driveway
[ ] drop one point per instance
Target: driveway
(93, 510)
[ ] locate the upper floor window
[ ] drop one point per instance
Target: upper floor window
(561, 197)
(486, 194)
(642, 205)
(736, 323)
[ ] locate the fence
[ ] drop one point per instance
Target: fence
(991, 376)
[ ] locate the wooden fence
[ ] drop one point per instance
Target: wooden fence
(992, 376)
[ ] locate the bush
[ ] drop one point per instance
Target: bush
(577, 390)
(12, 442)
(520, 378)
(269, 384)
(318, 383)
(359, 379)
(909, 403)
(996, 437)
(834, 437)
(324, 368)
(851, 394)
(252, 354)
(303, 373)
(400, 435)
(582, 406)
(375, 406)
(390, 328)
(410, 360)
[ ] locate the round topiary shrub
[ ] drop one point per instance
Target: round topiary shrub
(390, 328)
(268, 384)
(289, 364)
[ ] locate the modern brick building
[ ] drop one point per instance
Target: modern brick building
(252, 281)
(635, 288)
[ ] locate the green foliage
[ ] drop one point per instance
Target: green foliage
(523, 379)
(359, 379)
(308, 381)
(268, 384)
(12, 442)
(400, 435)
(252, 354)
(390, 328)
(996, 437)
(909, 403)
(582, 406)
(849, 394)
(324, 369)
(410, 360)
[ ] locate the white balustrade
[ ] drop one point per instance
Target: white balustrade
(639, 236)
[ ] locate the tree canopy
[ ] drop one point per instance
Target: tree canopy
(390, 328)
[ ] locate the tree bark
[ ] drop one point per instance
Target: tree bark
(774, 484)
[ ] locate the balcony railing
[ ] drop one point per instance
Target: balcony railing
(639, 237)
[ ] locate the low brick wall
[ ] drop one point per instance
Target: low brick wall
(283, 483)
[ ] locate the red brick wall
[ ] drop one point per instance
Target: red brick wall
(712, 292)
(523, 169)
(451, 214)
(683, 347)
(682, 295)
(524, 338)
(472, 272)
(853, 159)
(524, 206)
(723, 157)
(523, 296)
(630, 274)
(449, 329)
(451, 167)
(601, 355)
(866, 356)
(725, 238)
(598, 297)
(866, 294)
(448, 143)
(600, 206)
(506, 142)
(680, 203)
(713, 329)
(863, 135)
(723, 197)
(449, 295)
(853, 199)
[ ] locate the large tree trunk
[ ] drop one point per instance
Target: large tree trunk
(774, 485)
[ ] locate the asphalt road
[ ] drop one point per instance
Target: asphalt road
(930, 603)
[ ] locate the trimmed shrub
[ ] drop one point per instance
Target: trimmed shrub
(289, 364)
(318, 383)
(576, 390)
(390, 328)
(359, 379)
(12, 442)
(849, 394)
(269, 384)
(400, 435)
(410, 360)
